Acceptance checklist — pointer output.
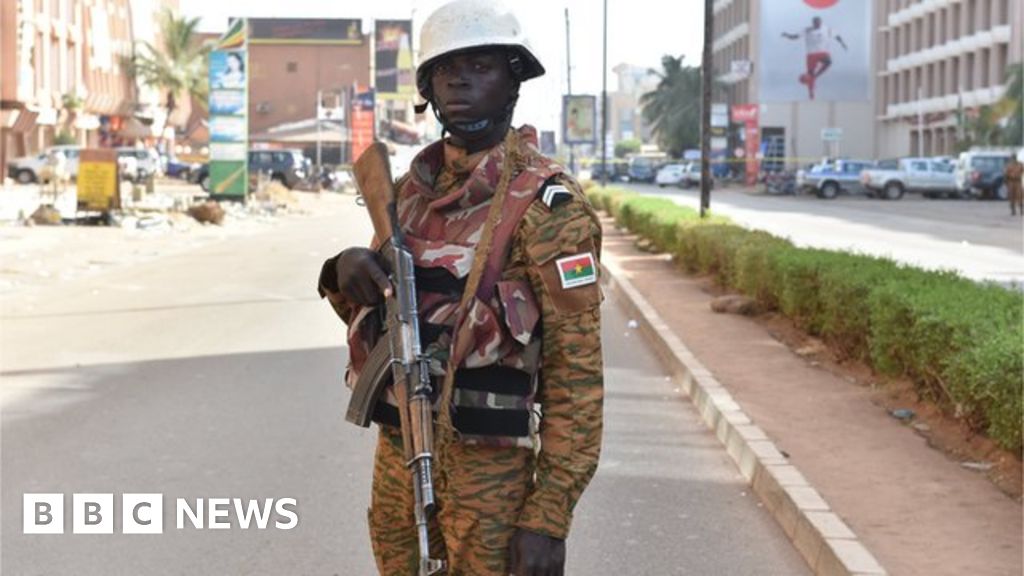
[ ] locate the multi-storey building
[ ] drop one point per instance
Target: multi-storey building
(926, 60)
(935, 58)
(63, 69)
(791, 125)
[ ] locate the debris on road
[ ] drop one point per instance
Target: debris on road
(632, 325)
(977, 466)
(45, 215)
(207, 213)
(903, 414)
(734, 304)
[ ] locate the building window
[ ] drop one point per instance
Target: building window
(969, 70)
(292, 67)
(955, 75)
(986, 76)
(1004, 12)
(986, 14)
(972, 17)
(1002, 54)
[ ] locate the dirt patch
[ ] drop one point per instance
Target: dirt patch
(939, 428)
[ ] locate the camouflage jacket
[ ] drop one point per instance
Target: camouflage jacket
(534, 327)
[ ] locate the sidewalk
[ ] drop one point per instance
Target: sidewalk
(917, 511)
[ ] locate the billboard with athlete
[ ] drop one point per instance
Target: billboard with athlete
(815, 50)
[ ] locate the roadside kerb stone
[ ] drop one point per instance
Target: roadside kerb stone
(826, 543)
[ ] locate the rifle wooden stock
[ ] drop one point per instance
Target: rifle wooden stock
(399, 350)
(373, 178)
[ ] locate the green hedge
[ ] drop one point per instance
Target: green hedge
(960, 342)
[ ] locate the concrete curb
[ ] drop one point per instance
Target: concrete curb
(822, 538)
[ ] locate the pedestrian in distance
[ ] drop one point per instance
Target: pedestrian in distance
(523, 413)
(818, 39)
(1012, 177)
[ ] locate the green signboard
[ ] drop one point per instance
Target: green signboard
(229, 121)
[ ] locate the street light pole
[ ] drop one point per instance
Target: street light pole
(604, 101)
(705, 113)
(568, 80)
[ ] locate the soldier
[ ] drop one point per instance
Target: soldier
(1012, 177)
(508, 482)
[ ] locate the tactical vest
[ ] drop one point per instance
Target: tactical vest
(495, 383)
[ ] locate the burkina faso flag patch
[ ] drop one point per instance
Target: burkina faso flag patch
(577, 270)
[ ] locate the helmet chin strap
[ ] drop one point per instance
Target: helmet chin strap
(468, 130)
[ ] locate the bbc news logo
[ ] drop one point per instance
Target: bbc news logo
(144, 513)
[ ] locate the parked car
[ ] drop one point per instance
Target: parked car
(979, 173)
(287, 166)
(618, 171)
(644, 167)
(30, 169)
(147, 161)
(691, 176)
(175, 168)
(670, 175)
(830, 178)
(932, 177)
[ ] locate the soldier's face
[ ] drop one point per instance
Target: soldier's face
(472, 86)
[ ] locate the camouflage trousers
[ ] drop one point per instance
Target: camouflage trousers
(478, 502)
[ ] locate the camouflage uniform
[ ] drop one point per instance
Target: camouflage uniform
(533, 342)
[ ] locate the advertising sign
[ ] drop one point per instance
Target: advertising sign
(362, 120)
(305, 31)
(579, 117)
(831, 134)
(97, 179)
(229, 120)
(395, 78)
(815, 50)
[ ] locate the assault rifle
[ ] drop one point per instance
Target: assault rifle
(398, 350)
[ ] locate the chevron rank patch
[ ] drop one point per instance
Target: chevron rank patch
(577, 270)
(554, 195)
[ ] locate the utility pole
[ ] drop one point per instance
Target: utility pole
(604, 101)
(568, 79)
(705, 113)
(319, 108)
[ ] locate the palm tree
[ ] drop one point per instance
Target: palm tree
(673, 108)
(179, 67)
(1011, 107)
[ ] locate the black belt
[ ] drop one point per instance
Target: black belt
(480, 421)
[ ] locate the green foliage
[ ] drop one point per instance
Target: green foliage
(627, 147)
(179, 66)
(64, 138)
(960, 342)
(673, 108)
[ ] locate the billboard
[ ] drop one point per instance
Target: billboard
(229, 121)
(394, 76)
(815, 50)
(579, 117)
(362, 120)
(305, 31)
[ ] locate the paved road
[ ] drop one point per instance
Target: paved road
(215, 373)
(979, 239)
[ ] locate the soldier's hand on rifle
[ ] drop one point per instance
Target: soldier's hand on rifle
(535, 554)
(362, 276)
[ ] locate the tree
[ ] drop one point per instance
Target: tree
(1000, 123)
(673, 108)
(179, 67)
(625, 147)
(1011, 107)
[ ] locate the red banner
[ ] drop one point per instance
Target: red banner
(362, 120)
(747, 114)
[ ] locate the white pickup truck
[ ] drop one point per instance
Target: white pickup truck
(932, 177)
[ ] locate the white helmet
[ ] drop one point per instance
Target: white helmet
(468, 24)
